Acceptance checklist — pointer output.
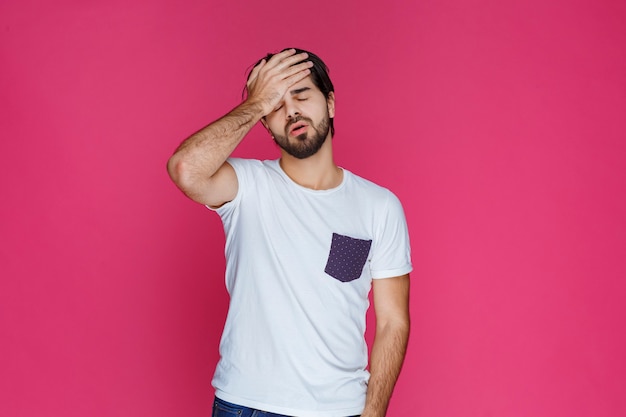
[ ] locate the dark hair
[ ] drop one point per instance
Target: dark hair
(319, 75)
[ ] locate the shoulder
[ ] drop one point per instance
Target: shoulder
(251, 167)
(370, 189)
(245, 163)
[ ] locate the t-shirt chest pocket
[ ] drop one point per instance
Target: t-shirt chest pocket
(347, 257)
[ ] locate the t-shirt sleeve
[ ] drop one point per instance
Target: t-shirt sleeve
(244, 171)
(391, 252)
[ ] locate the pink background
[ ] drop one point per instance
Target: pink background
(500, 125)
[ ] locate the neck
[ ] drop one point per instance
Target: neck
(318, 172)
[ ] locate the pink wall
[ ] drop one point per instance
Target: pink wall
(499, 124)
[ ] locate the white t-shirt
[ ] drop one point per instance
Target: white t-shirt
(299, 265)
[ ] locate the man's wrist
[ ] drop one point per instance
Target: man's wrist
(257, 106)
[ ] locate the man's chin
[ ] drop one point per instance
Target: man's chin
(305, 156)
(302, 153)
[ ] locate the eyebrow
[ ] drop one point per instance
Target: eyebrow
(299, 90)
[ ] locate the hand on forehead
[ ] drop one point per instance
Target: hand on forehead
(271, 79)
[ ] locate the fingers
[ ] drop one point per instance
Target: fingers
(302, 67)
(298, 73)
(256, 69)
(286, 60)
(270, 79)
(284, 64)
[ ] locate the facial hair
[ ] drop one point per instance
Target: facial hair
(307, 143)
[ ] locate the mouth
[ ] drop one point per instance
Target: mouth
(298, 128)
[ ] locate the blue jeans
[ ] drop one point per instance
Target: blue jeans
(222, 408)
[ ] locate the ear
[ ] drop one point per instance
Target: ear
(264, 123)
(330, 102)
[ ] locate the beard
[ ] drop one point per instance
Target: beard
(306, 144)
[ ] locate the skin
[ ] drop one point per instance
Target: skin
(391, 305)
(279, 92)
(298, 135)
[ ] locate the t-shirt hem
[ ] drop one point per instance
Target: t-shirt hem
(286, 410)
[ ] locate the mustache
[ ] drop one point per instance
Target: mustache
(296, 120)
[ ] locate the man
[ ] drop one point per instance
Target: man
(305, 241)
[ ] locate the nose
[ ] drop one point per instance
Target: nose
(292, 109)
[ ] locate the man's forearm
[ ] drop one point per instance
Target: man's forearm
(386, 360)
(204, 152)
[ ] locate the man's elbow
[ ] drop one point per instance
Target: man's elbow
(180, 173)
(399, 323)
(174, 169)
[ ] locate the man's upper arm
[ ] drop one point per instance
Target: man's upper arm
(391, 300)
(221, 188)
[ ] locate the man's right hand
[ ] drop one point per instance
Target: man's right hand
(270, 80)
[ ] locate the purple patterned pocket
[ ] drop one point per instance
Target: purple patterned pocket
(347, 257)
